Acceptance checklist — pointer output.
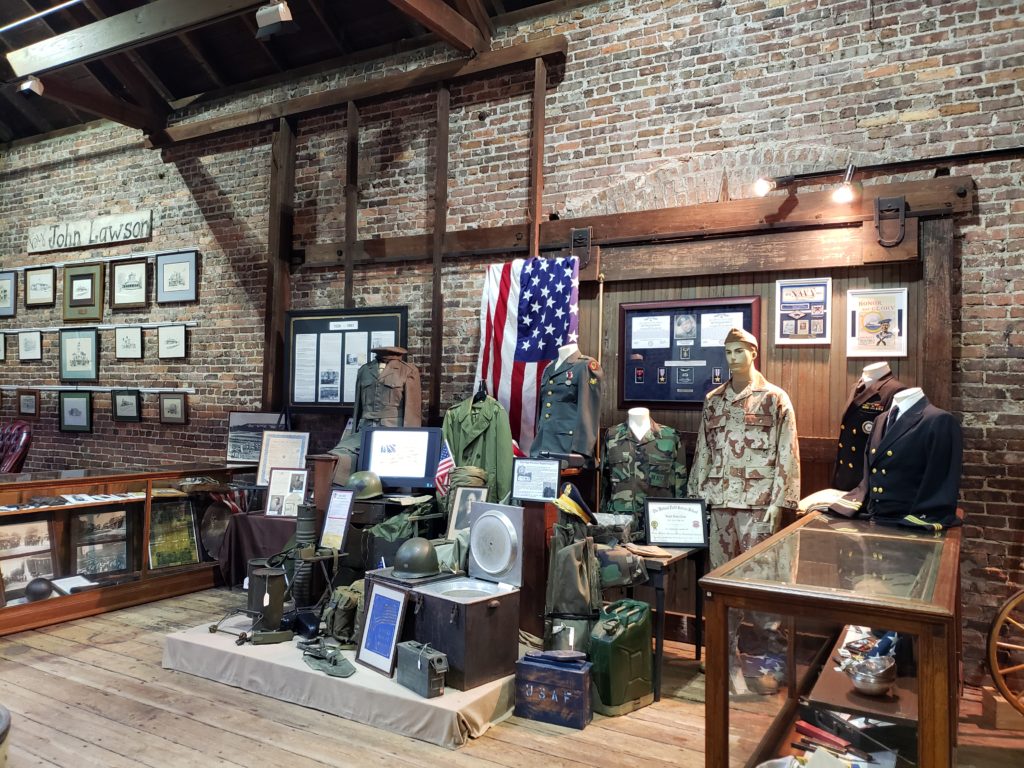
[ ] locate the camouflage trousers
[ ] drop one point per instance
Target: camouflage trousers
(733, 532)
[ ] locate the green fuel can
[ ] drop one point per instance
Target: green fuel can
(620, 649)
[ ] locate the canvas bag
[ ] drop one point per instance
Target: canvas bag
(343, 615)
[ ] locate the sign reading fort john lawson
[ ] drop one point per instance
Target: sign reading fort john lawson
(101, 230)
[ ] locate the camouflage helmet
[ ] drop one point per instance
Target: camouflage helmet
(416, 559)
(366, 485)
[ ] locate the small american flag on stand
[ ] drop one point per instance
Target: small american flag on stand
(445, 465)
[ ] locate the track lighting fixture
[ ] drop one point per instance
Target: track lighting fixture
(765, 185)
(274, 19)
(845, 192)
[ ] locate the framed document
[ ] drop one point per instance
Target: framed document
(8, 294)
(30, 345)
(40, 286)
(281, 449)
(676, 522)
(28, 402)
(173, 408)
(79, 350)
(803, 311)
(339, 510)
(285, 491)
(458, 520)
(128, 343)
(172, 535)
(126, 404)
(170, 341)
(245, 434)
(877, 322)
(176, 277)
(535, 479)
(83, 292)
(385, 611)
(75, 411)
(128, 284)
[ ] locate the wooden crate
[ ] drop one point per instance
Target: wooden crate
(553, 692)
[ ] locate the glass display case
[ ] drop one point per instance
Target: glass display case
(104, 538)
(777, 620)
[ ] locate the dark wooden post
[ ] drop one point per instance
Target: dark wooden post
(351, 197)
(437, 249)
(536, 204)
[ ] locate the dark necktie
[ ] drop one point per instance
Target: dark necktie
(891, 418)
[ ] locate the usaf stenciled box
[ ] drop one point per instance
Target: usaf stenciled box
(554, 687)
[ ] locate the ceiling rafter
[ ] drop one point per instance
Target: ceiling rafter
(474, 11)
(337, 36)
(38, 121)
(99, 104)
(6, 134)
(201, 59)
(445, 22)
(250, 25)
(5, 46)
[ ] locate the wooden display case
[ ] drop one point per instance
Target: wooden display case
(40, 512)
(819, 575)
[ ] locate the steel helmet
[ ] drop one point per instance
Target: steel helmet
(38, 589)
(366, 485)
(416, 559)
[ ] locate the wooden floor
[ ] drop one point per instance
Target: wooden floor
(92, 693)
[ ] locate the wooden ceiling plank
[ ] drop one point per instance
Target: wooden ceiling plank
(208, 69)
(250, 25)
(22, 107)
(6, 133)
(441, 19)
(78, 118)
(336, 36)
(100, 104)
(146, 24)
(555, 46)
(474, 11)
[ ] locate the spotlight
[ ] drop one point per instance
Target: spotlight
(274, 19)
(30, 87)
(765, 185)
(845, 192)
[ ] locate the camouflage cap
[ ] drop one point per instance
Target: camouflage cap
(738, 334)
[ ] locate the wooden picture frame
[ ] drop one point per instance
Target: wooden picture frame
(83, 292)
(126, 404)
(176, 275)
(79, 354)
(40, 287)
(128, 281)
(99, 542)
(245, 434)
(171, 342)
(30, 346)
(28, 403)
(286, 490)
(173, 538)
(173, 408)
(281, 449)
(382, 627)
(128, 343)
(676, 522)
(8, 294)
(75, 411)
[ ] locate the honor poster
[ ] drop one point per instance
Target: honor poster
(877, 323)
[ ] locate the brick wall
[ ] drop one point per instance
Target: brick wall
(658, 104)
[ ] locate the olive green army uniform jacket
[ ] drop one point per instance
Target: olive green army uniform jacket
(479, 435)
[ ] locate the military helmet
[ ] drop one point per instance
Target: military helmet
(416, 559)
(366, 485)
(38, 589)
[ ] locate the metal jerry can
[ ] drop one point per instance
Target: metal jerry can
(620, 649)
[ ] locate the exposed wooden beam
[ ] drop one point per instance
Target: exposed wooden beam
(441, 151)
(250, 25)
(146, 24)
(445, 22)
(6, 134)
(279, 244)
(474, 11)
(38, 121)
(351, 196)
(937, 250)
(5, 47)
(208, 69)
(101, 104)
(491, 61)
(326, 23)
(536, 201)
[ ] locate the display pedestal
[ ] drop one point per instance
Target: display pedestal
(366, 697)
(538, 517)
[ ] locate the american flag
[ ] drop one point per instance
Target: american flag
(445, 465)
(530, 308)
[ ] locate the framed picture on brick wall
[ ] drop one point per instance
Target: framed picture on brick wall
(128, 284)
(176, 277)
(128, 343)
(126, 404)
(28, 402)
(8, 293)
(83, 292)
(170, 342)
(30, 345)
(79, 354)
(75, 411)
(40, 287)
(173, 408)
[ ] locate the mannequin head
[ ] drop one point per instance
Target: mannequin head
(740, 353)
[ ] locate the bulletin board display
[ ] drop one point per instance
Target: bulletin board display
(326, 347)
(672, 353)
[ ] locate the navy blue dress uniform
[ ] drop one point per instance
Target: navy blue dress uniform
(911, 475)
(568, 407)
(867, 400)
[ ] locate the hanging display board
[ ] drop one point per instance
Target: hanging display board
(672, 353)
(326, 347)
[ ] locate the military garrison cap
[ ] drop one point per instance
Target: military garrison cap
(738, 334)
(572, 503)
(389, 351)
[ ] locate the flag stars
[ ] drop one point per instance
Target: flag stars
(559, 313)
(535, 307)
(545, 292)
(574, 309)
(526, 344)
(535, 280)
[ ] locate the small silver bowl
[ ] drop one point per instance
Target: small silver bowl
(873, 676)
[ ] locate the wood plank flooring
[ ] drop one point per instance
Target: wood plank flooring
(92, 692)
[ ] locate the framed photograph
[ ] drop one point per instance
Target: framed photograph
(173, 408)
(176, 277)
(17, 572)
(83, 292)
(385, 612)
(803, 311)
(30, 345)
(285, 491)
(339, 510)
(75, 411)
(128, 284)
(78, 354)
(672, 353)
(245, 434)
(3, 346)
(458, 519)
(24, 538)
(170, 341)
(535, 479)
(172, 534)
(126, 404)
(99, 542)
(128, 343)
(676, 522)
(8, 293)
(28, 402)
(40, 287)
(281, 449)
(878, 322)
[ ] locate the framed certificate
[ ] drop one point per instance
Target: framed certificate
(676, 522)
(281, 449)
(535, 479)
(385, 610)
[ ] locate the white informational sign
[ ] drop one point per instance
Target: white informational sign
(329, 376)
(305, 368)
(535, 479)
(85, 233)
(382, 339)
(877, 322)
(676, 523)
(343, 325)
(715, 326)
(803, 311)
(651, 332)
(355, 357)
(336, 522)
(394, 453)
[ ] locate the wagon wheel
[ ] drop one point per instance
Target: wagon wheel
(1006, 651)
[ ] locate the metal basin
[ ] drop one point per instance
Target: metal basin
(465, 590)
(873, 676)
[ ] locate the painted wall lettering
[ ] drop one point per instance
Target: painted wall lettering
(102, 230)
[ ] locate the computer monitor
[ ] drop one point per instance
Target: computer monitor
(405, 457)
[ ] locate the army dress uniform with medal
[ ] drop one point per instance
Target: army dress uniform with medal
(568, 406)
(871, 397)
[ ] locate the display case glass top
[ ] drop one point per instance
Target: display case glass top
(76, 476)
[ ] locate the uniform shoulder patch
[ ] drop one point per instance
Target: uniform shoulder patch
(594, 365)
